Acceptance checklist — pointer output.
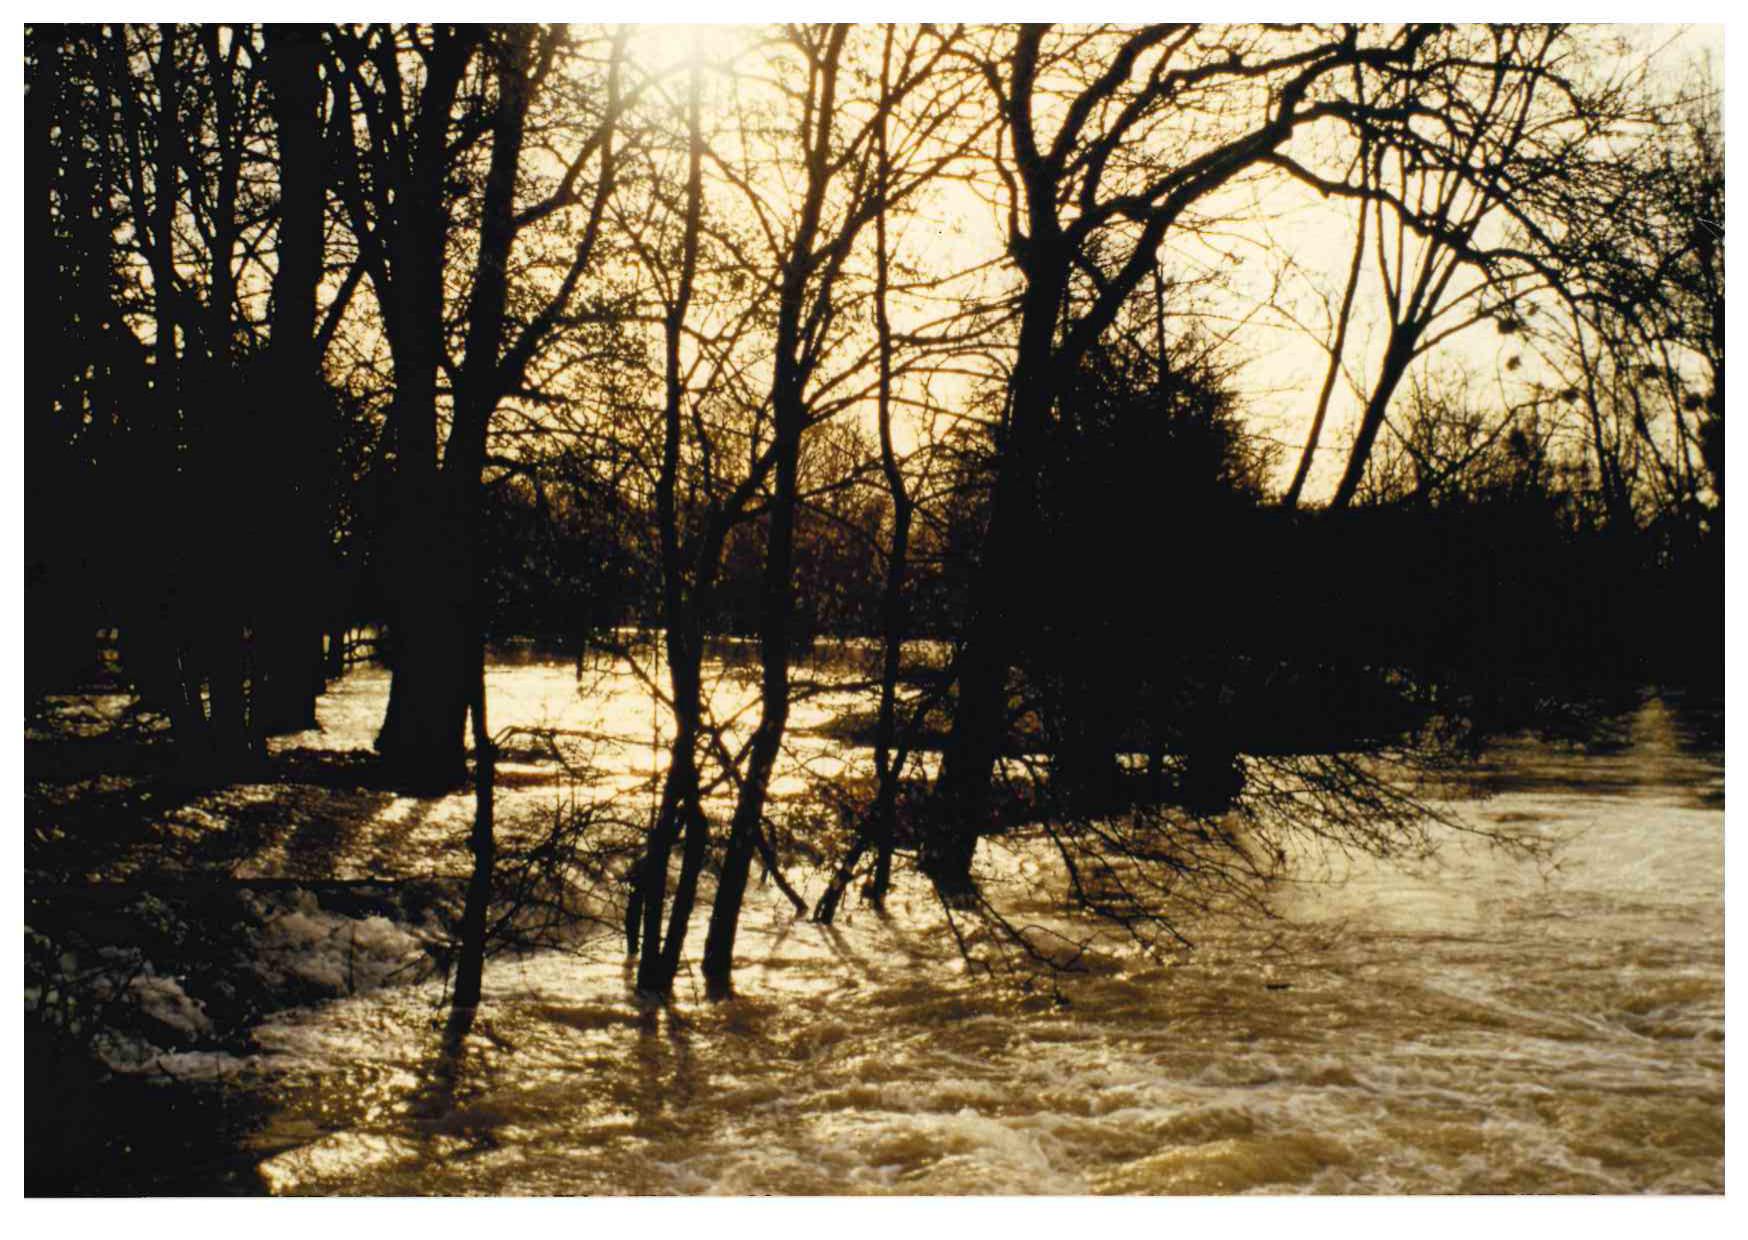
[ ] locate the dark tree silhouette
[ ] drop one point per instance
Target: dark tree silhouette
(415, 138)
(1077, 207)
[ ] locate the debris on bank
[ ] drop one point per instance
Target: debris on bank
(170, 983)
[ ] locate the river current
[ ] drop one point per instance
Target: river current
(1478, 1023)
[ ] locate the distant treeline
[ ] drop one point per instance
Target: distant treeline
(1167, 570)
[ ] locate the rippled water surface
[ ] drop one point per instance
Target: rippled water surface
(1479, 1025)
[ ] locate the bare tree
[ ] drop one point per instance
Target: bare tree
(1487, 150)
(187, 126)
(292, 400)
(1148, 124)
(415, 138)
(882, 829)
(1636, 340)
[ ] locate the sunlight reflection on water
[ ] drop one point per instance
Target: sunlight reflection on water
(1475, 1025)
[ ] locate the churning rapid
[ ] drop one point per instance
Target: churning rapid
(1477, 1024)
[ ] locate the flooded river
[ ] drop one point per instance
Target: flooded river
(1479, 1024)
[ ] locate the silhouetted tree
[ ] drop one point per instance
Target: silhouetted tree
(1208, 107)
(295, 415)
(421, 118)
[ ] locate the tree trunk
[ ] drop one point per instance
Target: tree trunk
(470, 964)
(435, 525)
(961, 812)
(149, 652)
(775, 605)
(683, 621)
(881, 826)
(892, 609)
(228, 705)
(1337, 348)
(1404, 338)
(422, 740)
(423, 736)
(336, 652)
(749, 809)
(887, 764)
(697, 844)
(749, 813)
(287, 626)
(659, 959)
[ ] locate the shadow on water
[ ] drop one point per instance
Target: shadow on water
(1479, 1027)
(88, 1134)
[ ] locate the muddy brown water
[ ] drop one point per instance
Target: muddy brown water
(1478, 1024)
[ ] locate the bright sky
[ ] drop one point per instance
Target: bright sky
(1286, 225)
(1283, 365)
(1287, 366)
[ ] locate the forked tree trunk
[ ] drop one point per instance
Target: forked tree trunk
(776, 596)
(427, 558)
(775, 605)
(683, 620)
(791, 371)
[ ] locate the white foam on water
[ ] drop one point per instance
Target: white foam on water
(341, 954)
(1478, 1024)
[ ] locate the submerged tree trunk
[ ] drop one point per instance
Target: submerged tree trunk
(697, 843)
(961, 810)
(659, 957)
(423, 735)
(423, 732)
(776, 600)
(682, 616)
(470, 964)
(882, 827)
